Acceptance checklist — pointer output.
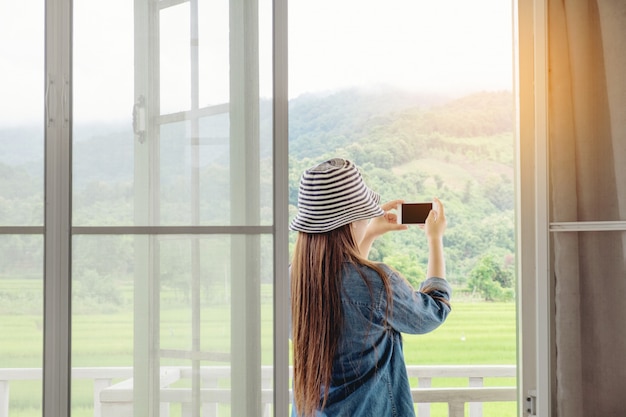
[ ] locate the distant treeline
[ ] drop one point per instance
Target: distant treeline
(407, 146)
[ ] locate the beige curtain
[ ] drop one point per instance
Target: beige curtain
(587, 118)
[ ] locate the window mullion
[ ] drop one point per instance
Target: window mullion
(281, 210)
(57, 226)
(544, 299)
(146, 370)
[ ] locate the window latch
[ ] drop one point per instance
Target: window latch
(139, 119)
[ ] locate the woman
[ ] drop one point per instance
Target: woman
(348, 313)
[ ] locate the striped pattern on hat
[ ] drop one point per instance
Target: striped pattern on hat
(333, 194)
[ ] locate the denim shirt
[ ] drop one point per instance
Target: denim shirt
(369, 373)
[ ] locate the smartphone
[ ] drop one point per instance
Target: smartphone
(414, 213)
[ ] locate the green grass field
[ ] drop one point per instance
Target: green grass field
(475, 333)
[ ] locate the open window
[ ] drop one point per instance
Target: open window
(157, 251)
(164, 177)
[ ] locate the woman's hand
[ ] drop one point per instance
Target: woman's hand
(434, 228)
(379, 226)
(436, 221)
(389, 221)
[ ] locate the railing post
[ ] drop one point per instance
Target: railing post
(164, 410)
(4, 398)
(456, 409)
(210, 409)
(266, 382)
(98, 385)
(476, 409)
(423, 409)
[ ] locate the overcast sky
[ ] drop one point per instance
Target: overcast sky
(445, 46)
(437, 45)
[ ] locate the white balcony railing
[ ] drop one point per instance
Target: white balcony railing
(116, 399)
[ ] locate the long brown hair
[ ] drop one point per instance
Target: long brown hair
(317, 316)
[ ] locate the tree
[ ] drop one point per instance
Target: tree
(408, 267)
(95, 291)
(490, 280)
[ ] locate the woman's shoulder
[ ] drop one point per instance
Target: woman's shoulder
(366, 268)
(361, 271)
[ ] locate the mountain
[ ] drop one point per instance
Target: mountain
(408, 146)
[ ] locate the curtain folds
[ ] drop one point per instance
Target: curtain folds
(587, 117)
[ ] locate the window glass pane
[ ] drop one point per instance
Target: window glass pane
(182, 277)
(214, 160)
(102, 317)
(22, 103)
(195, 308)
(21, 106)
(102, 175)
(103, 140)
(211, 314)
(175, 86)
(176, 174)
(214, 57)
(21, 324)
(199, 175)
(266, 176)
(267, 303)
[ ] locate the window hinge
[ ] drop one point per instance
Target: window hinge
(531, 403)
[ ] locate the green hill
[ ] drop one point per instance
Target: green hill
(461, 151)
(408, 146)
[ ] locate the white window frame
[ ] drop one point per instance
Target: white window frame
(57, 211)
(58, 230)
(535, 305)
(535, 288)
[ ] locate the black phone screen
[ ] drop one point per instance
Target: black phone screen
(414, 213)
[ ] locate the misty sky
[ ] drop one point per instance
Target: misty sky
(437, 46)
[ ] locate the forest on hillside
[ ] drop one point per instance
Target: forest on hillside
(461, 151)
(407, 146)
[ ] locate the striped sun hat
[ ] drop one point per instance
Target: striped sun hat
(333, 194)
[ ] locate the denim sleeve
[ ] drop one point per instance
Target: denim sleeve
(417, 312)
